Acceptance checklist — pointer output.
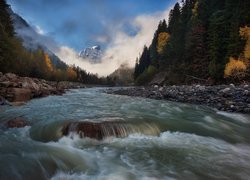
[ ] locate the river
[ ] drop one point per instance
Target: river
(174, 140)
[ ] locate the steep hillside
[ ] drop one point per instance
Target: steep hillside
(23, 52)
(123, 75)
(32, 40)
(203, 41)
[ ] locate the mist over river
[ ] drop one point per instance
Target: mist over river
(169, 140)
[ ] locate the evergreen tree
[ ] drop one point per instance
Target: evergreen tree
(201, 37)
(218, 40)
(136, 71)
(154, 55)
(172, 51)
(174, 19)
(6, 25)
(144, 60)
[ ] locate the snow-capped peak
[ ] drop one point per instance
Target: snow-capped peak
(93, 54)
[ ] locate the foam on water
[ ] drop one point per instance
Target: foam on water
(177, 141)
(171, 155)
(237, 117)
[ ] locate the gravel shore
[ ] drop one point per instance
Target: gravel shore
(228, 98)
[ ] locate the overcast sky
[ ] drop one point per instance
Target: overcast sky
(77, 24)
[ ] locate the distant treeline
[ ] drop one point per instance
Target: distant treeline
(16, 59)
(203, 40)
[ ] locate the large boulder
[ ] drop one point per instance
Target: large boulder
(104, 129)
(30, 84)
(10, 76)
(90, 129)
(18, 94)
(21, 89)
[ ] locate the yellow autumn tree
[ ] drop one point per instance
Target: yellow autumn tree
(48, 62)
(162, 41)
(238, 68)
(71, 73)
(235, 68)
(245, 34)
(195, 9)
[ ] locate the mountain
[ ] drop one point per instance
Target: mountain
(32, 40)
(123, 75)
(93, 54)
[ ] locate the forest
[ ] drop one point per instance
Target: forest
(205, 41)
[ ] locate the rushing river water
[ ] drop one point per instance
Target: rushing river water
(174, 141)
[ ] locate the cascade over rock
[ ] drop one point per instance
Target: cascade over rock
(102, 130)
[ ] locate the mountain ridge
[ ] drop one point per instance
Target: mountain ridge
(31, 39)
(92, 54)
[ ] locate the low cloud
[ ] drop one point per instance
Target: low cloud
(122, 48)
(101, 38)
(39, 30)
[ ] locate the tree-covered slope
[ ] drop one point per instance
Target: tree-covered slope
(204, 40)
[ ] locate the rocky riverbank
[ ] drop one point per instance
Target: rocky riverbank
(16, 90)
(229, 98)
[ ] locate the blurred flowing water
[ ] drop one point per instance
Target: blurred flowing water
(174, 140)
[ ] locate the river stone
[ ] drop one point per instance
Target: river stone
(16, 123)
(232, 85)
(246, 93)
(10, 76)
(226, 90)
(30, 84)
(3, 101)
(5, 84)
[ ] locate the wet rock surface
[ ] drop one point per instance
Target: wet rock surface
(229, 98)
(14, 88)
(105, 129)
(16, 123)
(99, 130)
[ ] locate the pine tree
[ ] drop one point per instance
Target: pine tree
(6, 42)
(136, 71)
(154, 55)
(218, 41)
(172, 51)
(6, 25)
(144, 61)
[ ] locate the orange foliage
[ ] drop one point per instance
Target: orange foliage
(48, 62)
(162, 42)
(71, 73)
(235, 68)
(245, 34)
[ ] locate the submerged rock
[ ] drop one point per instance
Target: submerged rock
(102, 130)
(91, 129)
(16, 123)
